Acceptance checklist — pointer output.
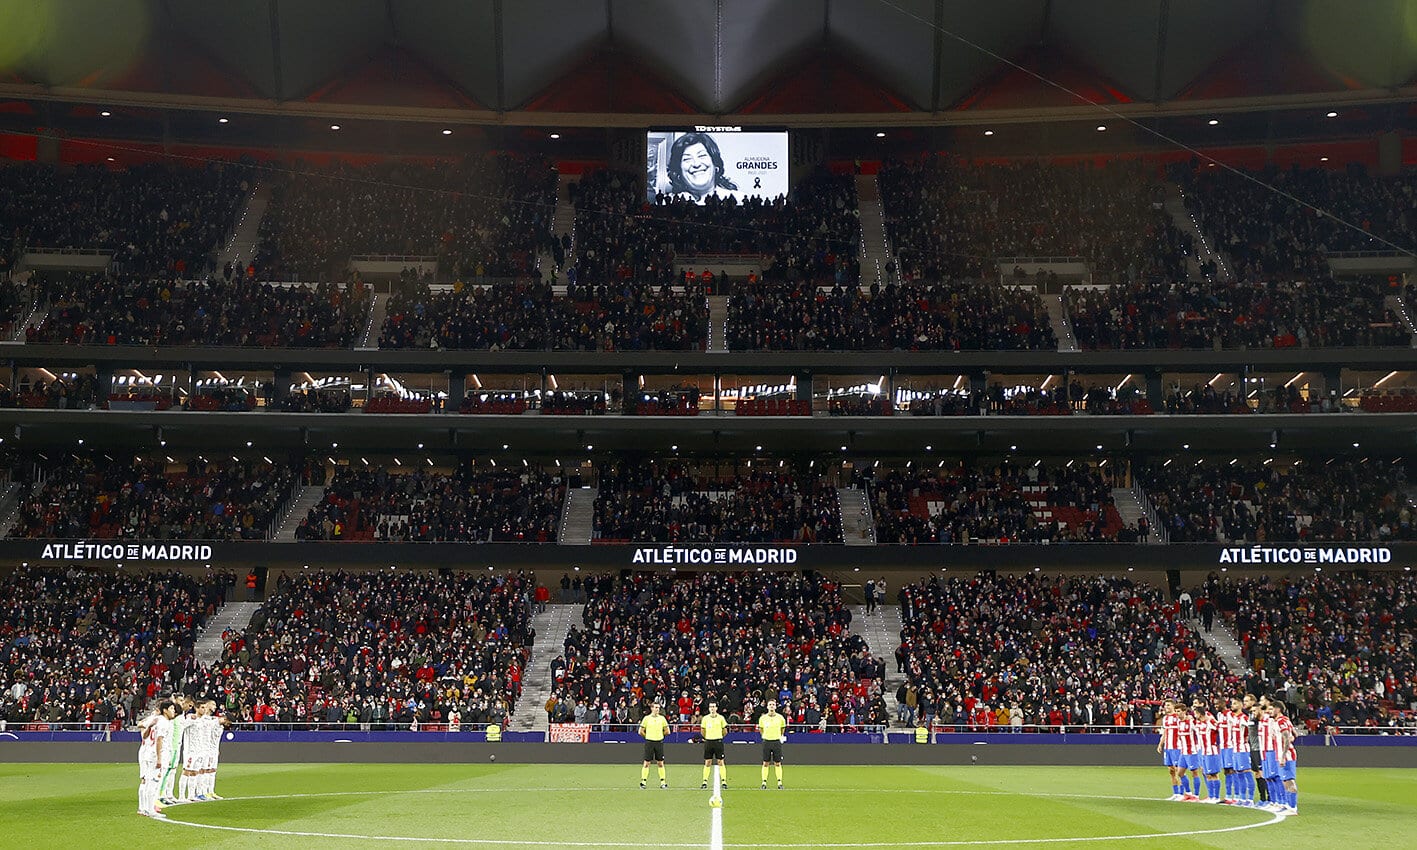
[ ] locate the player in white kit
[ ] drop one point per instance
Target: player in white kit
(195, 741)
(147, 765)
(165, 752)
(211, 732)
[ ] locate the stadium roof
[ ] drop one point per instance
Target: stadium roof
(632, 62)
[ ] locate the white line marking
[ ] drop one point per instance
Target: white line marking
(715, 814)
(523, 842)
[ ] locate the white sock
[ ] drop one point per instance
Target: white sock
(184, 787)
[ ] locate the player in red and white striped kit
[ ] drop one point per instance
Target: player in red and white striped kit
(1190, 754)
(1235, 754)
(1208, 743)
(1170, 747)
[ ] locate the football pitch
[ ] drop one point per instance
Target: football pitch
(598, 806)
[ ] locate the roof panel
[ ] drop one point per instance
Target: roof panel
(1201, 32)
(455, 37)
(758, 35)
(536, 55)
(676, 37)
(1118, 37)
(1008, 28)
(897, 44)
(316, 45)
(236, 32)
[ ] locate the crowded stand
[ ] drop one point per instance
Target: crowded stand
(1320, 312)
(470, 504)
(14, 299)
(812, 234)
(1267, 234)
(951, 218)
(1007, 503)
(380, 649)
(153, 219)
(672, 503)
(481, 217)
(529, 316)
(1258, 502)
(738, 639)
(1340, 647)
(94, 496)
(1008, 650)
(225, 310)
(948, 316)
(95, 646)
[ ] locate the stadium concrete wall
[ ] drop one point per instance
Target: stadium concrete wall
(1106, 755)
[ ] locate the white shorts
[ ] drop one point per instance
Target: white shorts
(191, 761)
(147, 765)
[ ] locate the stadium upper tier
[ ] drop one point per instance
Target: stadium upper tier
(951, 218)
(153, 219)
(480, 216)
(488, 265)
(812, 236)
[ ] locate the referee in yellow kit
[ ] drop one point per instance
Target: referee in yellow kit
(653, 728)
(713, 726)
(773, 727)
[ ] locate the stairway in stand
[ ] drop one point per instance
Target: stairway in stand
(577, 517)
(882, 633)
(718, 324)
(308, 497)
(551, 626)
(1062, 325)
(1181, 217)
(246, 236)
(233, 615)
(374, 323)
(1222, 640)
(563, 223)
(857, 528)
(876, 251)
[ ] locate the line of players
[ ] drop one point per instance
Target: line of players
(772, 727)
(179, 754)
(1249, 739)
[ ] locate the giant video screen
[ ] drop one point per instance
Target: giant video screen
(699, 163)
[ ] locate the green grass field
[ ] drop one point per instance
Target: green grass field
(500, 806)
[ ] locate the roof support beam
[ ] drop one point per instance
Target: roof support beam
(1163, 18)
(501, 52)
(453, 117)
(939, 55)
(276, 73)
